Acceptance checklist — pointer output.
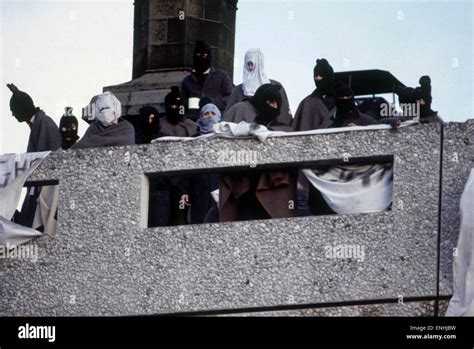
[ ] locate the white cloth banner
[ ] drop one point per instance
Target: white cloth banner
(14, 170)
(354, 188)
(245, 130)
(462, 302)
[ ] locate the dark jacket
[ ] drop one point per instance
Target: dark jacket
(44, 134)
(199, 188)
(186, 128)
(217, 87)
(355, 117)
(312, 114)
(238, 96)
(246, 111)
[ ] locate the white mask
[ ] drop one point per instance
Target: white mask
(107, 109)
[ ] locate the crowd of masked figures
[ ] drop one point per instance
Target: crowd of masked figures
(206, 97)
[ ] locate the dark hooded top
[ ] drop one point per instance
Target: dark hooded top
(98, 135)
(313, 113)
(285, 116)
(185, 128)
(44, 134)
(217, 86)
(256, 109)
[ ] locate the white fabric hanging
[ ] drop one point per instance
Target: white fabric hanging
(253, 79)
(355, 188)
(462, 302)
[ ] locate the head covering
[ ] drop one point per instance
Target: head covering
(344, 105)
(174, 106)
(324, 69)
(266, 92)
(68, 131)
(200, 63)
(107, 109)
(257, 77)
(68, 118)
(425, 94)
(148, 125)
(409, 95)
(21, 104)
(205, 123)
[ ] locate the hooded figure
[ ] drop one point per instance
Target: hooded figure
(254, 77)
(263, 108)
(165, 208)
(44, 136)
(314, 112)
(416, 102)
(44, 133)
(205, 81)
(174, 123)
(68, 126)
(148, 125)
(347, 113)
(424, 91)
(108, 129)
(209, 116)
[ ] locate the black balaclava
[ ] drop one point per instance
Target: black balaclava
(326, 85)
(21, 105)
(149, 129)
(346, 108)
(66, 127)
(174, 115)
(345, 105)
(266, 113)
(200, 63)
(425, 93)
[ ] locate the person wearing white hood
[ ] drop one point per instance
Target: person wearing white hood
(108, 129)
(254, 77)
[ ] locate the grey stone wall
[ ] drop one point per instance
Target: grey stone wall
(104, 261)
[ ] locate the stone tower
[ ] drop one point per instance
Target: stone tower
(163, 44)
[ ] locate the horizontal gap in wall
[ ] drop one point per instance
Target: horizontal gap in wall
(305, 306)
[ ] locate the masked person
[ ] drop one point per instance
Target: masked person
(314, 112)
(44, 133)
(416, 102)
(44, 136)
(148, 125)
(205, 81)
(263, 109)
(174, 123)
(68, 126)
(165, 207)
(209, 116)
(108, 129)
(347, 114)
(254, 77)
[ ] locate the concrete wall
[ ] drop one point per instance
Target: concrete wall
(104, 261)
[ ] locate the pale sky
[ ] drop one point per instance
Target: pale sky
(64, 52)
